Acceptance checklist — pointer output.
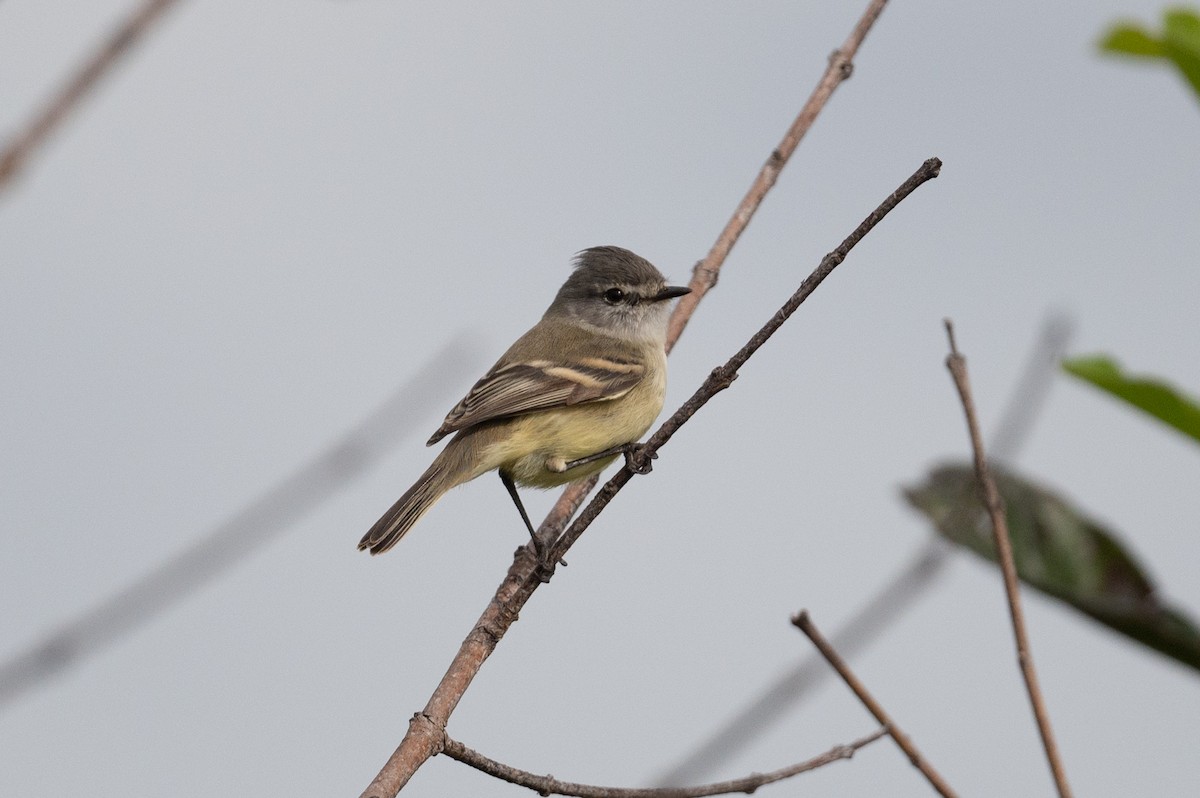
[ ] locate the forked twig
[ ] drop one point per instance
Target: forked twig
(723, 376)
(426, 729)
(957, 365)
(417, 745)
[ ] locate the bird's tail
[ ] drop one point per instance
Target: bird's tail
(408, 509)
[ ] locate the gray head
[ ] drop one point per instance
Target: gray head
(617, 293)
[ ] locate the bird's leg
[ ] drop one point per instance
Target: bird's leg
(628, 449)
(537, 547)
(512, 491)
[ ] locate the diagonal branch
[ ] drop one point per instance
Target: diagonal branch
(957, 364)
(426, 729)
(18, 149)
(804, 623)
(548, 785)
(268, 515)
(705, 273)
(723, 376)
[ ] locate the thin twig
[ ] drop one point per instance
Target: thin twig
(22, 145)
(723, 376)
(804, 623)
(423, 738)
(957, 365)
(548, 785)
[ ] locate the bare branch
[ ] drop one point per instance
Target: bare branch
(957, 365)
(723, 376)
(548, 785)
(805, 624)
(524, 575)
(21, 146)
(705, 273)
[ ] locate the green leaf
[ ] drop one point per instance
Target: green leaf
(1134, 40)
(1149, 395)
(1062, 553)
(1181, 36)
(1179, 43)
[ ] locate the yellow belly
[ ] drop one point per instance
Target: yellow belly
(570, 433)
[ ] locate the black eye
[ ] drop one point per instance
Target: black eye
(614, 296)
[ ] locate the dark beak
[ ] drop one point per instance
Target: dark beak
(670, 292)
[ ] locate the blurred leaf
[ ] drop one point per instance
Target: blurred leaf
(1179, 42)
(1060, 552)
(1182, 29)
(1132, 40)
(1157, 398)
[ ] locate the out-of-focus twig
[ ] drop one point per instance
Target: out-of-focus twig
(548, 785)
(22, 145)
(804, 623)
(248, 529)
(1026, 399)
(957, 365)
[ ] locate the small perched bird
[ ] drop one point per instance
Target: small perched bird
(569, 396)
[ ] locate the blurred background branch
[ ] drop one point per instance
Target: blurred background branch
(21, 146)
(247, 530)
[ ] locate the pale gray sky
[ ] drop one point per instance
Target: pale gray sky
(274, 213)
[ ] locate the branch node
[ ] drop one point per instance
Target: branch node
(493, 627)
(843, 65)
(423, 725)
(722, 377)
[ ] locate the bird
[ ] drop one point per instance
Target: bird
(580, 387)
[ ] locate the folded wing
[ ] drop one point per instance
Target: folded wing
(512, 389)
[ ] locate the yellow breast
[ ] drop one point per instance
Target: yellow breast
(574, 432)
